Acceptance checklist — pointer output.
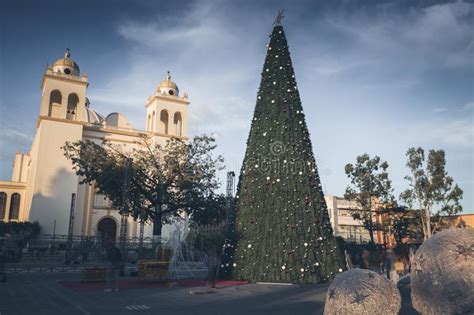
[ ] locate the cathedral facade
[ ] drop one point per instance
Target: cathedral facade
(43, 182)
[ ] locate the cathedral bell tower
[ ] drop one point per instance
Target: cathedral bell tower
(64, 90)
(166, 111)
(52, 181)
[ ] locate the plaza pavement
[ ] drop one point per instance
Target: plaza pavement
(41, 293)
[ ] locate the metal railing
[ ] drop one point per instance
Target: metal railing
(53, 253)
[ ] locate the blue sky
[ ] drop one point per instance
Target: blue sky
(374, 76)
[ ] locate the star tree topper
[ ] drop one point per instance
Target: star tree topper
(279, 17)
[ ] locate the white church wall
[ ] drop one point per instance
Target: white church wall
(81, 209)
(54, 181)
(32, 167)
(20, 168)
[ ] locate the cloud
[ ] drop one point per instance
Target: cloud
(205, 56)
(452, 130)
(12, 140)
(445, 32)
(362, 73)
(439, 109)
(469, 106)
(10, 133)
(459, 132)
(394, 47)
(158, 37)
(214, 59)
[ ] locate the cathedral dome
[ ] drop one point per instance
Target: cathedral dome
(168, 87)
(94, 117)
(66, 65)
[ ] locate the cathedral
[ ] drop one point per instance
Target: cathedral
(44, 187)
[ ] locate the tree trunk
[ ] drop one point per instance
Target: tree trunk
(371, 233)
(157, 225)
(426, 222)
(371, 227)
(371, 224)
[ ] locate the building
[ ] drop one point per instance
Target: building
(341, 212)
(43, 181)
(344, 225)
(461, 221)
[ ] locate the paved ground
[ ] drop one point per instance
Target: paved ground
(40, 293)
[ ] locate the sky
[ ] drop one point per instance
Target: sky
(375, 77)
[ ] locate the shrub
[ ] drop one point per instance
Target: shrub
(20, 230)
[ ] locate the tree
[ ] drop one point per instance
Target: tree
(162, 181)
(370, 186)
(431, 190)
(283, 232)
(400, 223)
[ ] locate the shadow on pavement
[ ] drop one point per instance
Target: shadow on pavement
(407, 307)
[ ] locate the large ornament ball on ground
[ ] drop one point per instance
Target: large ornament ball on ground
(442, 274)
(361, 291)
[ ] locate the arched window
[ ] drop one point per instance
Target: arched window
(178, 124)
(164, 122)
(3, 204)
(72, 101)
(14, 207)
(148, 123)
(55, 99)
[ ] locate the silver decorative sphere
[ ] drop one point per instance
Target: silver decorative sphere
(442, 274)
(361, 291)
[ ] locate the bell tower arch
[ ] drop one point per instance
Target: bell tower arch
(64, 90)
(166, 111)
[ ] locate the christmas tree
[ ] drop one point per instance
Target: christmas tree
(282, 231)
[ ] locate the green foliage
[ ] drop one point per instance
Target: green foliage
(369, 185)
(401, 223)
(282, 229)
(20, 230)
(400, 227)
(154, 182)
(431, 189)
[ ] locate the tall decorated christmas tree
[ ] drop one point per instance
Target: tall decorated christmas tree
(282, 231)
